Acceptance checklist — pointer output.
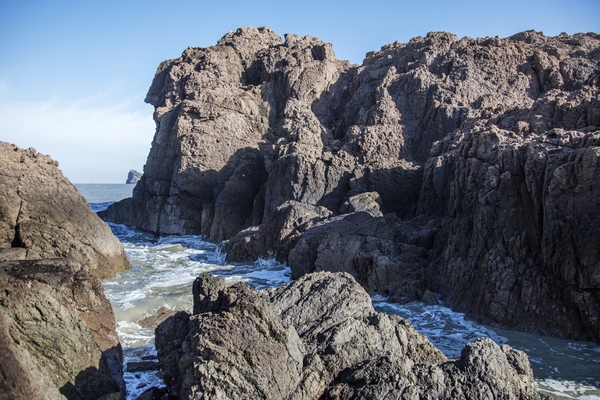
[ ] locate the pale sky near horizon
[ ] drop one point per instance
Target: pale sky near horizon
(74, 74)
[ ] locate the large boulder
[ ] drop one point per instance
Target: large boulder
(57, 333)
(42, 215)
(436, 164)
(319, 337)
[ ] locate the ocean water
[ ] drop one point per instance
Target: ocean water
(164, 269)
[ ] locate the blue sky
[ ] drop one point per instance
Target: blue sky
(74, 74)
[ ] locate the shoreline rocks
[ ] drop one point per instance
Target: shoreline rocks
(58, 333)
(57, 329)
(319, 337)
(42, 215)
(452, 165)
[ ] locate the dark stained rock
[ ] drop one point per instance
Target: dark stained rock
(138, 366)
(155, 393)
(57, 333)
(319, 337)
(43, 216)
(460, 166)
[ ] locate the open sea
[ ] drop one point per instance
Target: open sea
(164, 269)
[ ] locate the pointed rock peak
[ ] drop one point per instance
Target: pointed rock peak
(251, 37)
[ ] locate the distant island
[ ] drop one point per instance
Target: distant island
(133, 177)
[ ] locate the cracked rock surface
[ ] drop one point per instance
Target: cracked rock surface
(42, 215)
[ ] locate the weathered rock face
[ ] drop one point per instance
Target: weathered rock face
(57, 333)
(133, 177)
(460, 166)
(319, 337)
(57, 329)
(42, 215)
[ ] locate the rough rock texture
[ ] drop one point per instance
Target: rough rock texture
(462, 166)
(42, 215)
(57, 333)
(320, 336)
(133, 176)
(57, 329)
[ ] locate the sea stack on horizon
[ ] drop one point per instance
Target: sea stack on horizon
(464, 167)
(133, 177)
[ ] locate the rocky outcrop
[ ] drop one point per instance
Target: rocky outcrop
(460, 166)
(57, 329)
(133, 177)
(57, 333)
(42, 215)
(319, 337)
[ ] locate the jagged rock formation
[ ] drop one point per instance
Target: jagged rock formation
(319, 337)
(462, 166)
(133, 177)
(42, 215)
(57, 329)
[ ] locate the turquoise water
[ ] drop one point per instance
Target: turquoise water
(164, 268)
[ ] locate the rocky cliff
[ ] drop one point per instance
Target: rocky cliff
(57, 329)
(319, 337)
(461, 166)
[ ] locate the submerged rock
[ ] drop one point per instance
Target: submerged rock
(465, 167)
(319, 337)
(159, 316)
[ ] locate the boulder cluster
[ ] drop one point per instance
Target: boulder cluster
(320, 338)
(465, 167)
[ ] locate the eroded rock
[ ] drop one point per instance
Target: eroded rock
(57, 329)
(57, 333)
(319, 337)
(460, 166)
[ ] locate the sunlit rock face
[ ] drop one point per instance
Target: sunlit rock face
(319, 337)
(464, 167)
(57, 329)
(42, 215)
